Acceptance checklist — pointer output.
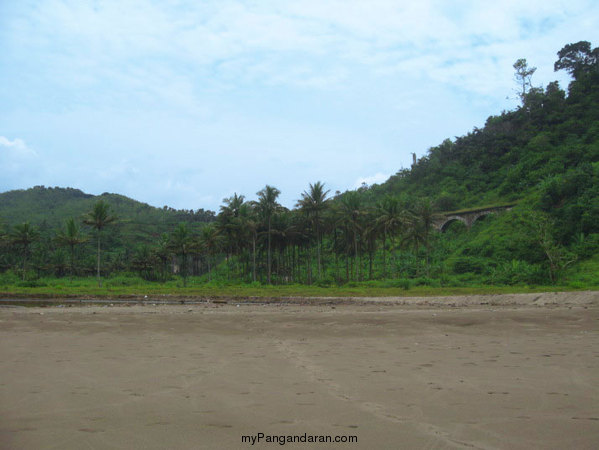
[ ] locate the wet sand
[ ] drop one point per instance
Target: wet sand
(395, 376)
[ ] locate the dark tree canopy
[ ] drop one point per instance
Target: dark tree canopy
(577, 58)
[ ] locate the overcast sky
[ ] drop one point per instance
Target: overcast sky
(183, 103)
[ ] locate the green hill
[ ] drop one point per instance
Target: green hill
(545, 156)
(541, 158)
(49, 207)
(46, 208)
(550, 138)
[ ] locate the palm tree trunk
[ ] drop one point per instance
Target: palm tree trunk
(318, 253)
(393, 258)
(427, 254)
(347, 267)
(268, 254)
(184, 268)
(355, 256)
(309, 264)
(350, 263)
(24, 262)
(336, 253)
(98, 265)
(72, 262)
(385, 253)
(254, 257)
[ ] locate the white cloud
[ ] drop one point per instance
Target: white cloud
(20, 164)
(122, 93)
(15, 148)
(373, 179)
(308, 43)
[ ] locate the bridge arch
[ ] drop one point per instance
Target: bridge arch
(449, 220)
(475, 218)
(468, 217)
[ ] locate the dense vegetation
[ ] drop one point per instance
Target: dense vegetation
(543, 157)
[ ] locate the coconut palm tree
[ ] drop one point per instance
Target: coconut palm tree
(98, 218)
(284, 232)
(228, 225)
(267, 206)
(163, 253)
(351, 213)
(210, 243)
(371, 235)
(144, 261)
(250, 223)
(181, 243)
(23, 235)
(420, 223)
(71, 237)
(390, 219)
(313, 204)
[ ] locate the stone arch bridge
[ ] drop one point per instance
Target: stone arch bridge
(468, 217)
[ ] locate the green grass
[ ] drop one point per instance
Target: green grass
(123, 287)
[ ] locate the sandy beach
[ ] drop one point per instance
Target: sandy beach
(487, 372)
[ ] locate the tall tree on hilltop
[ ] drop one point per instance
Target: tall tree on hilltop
(98, 218)
(267, 206)
(578, 58)
(523, 76)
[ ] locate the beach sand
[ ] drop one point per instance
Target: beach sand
(452, 373)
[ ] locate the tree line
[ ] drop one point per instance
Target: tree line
(259, 240)
(544, 154)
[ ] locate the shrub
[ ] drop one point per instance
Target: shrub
(324, 283)
(8, 278)
(425, 281)
(467, 265)
(586, 246)
(520, 272)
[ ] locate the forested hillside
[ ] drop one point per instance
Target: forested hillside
(551, 140)
(542, 157)
(48, 209)
(50, 206)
